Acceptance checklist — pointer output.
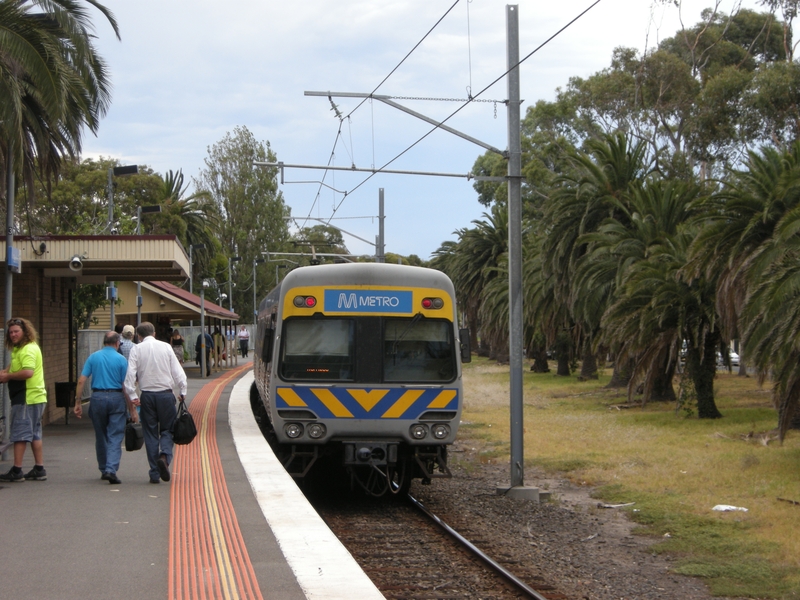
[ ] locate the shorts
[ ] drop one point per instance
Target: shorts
(26, 422)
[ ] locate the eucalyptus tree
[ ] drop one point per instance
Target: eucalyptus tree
(53, 83)
(701, 97)
(251, 207)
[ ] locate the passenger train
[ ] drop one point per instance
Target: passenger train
(361, 363)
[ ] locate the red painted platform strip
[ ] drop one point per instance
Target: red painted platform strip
(208, 558)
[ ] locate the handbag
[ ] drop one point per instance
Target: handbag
(134, 437)
(183, 429)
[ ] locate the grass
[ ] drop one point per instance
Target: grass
(674, 466)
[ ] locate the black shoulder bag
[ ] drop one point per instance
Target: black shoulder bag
(183, 429)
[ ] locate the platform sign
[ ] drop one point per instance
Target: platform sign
(13, 259)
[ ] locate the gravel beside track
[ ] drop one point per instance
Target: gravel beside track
(583, 551)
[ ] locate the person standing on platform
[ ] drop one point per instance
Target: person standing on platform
(109, 407)
(153, 364)
(177, 344)
(28, 394)
(126, 343)
(244, 340)
(197, 349)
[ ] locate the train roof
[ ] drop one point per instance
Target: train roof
(368, 274)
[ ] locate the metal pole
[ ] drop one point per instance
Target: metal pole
(515, 247)
(110, 199)
(230, 288)
(10, 183)
(255, 310)
(138, 283)
(381, 249)
(203, 332)
(110, 228)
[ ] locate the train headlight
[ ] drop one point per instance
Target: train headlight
(440, 431)
(293, 430)
(316, 431)
(419, 431)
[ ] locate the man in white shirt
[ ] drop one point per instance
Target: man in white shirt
(244, 340)
(158, 372)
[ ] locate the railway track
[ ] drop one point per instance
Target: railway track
(407, 554)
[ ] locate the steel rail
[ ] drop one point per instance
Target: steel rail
(507, 575)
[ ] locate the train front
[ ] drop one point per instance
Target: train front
(368, 369)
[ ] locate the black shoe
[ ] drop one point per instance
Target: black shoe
(112, 478)
(12, 476)
(163, 469)
(155, 481)
(36, 475)
(104, 476)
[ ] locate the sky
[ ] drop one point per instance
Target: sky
(187, 72)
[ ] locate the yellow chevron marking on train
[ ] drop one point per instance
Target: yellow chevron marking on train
(332, 403)
(368, 398)
(402, 404)
(290, 397)
(443, 399)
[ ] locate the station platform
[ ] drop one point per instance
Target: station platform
(230, 523)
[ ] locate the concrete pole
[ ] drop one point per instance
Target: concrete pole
(515, 247)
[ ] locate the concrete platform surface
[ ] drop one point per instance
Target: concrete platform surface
(75, 536)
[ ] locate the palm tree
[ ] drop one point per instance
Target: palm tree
(52, 83)
(598, 187)
(648, 250)
(754, 221)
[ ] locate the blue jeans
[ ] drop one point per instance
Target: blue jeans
(109, 415)
(157, 415)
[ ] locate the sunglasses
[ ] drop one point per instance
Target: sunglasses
(16, 322)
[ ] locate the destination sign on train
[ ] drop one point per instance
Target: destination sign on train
(368, 301)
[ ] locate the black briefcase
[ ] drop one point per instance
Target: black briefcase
(134, 437)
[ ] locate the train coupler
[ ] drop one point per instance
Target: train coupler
(433, 464)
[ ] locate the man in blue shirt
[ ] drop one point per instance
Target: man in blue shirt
(109, 406)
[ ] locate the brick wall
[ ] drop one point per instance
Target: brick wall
(44, 301)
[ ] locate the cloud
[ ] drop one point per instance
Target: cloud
(187, 72)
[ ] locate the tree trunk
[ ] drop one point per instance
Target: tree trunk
(702, 373)
(588, 365)
(621, 375)
(562, 348)
(540, 362)
(662, 386)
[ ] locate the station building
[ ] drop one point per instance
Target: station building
(51, 268)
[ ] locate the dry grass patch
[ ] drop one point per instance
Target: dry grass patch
(675, 466)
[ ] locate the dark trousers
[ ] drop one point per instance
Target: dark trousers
(157, 416)
(243, 347)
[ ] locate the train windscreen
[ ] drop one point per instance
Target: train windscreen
(368, 350)
(417, 350)
(318, 349)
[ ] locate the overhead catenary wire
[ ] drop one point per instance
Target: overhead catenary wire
(460, 108)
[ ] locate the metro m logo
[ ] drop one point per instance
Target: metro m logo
(347, 301)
